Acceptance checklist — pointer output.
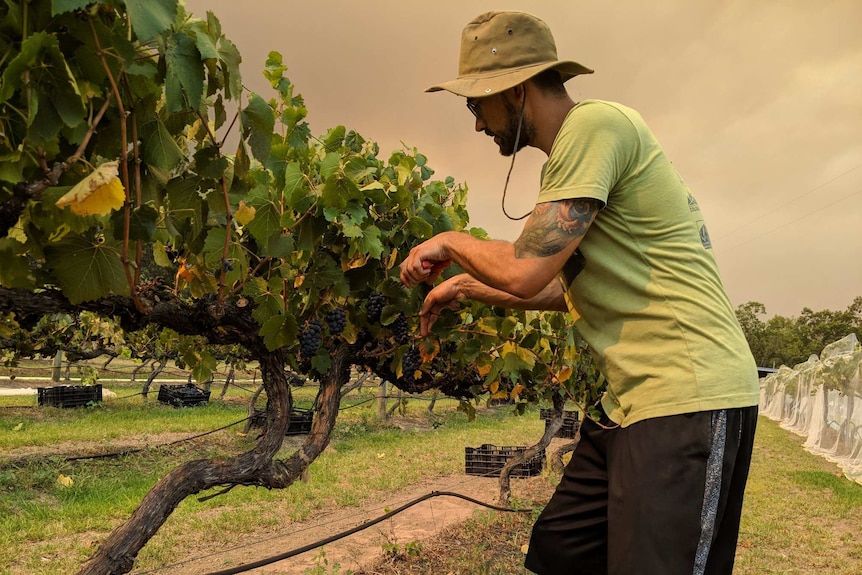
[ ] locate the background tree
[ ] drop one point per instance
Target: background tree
(789, 341)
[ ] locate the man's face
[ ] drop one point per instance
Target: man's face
(497, 116)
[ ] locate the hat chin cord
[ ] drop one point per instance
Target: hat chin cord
(512, 165)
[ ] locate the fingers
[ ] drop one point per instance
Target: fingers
(426, 322)
(413, 272)
(424, 263)
(436, 267)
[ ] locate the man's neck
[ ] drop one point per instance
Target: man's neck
(548, 116)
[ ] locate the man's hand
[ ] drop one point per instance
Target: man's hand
(425, 262)
(447, 295)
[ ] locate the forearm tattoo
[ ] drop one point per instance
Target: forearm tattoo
(553, 226)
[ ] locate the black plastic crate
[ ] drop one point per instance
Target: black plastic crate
(187, 395)
(300, 420)
(498, 401)
(570, 425)
(488, 460)
(69, 395)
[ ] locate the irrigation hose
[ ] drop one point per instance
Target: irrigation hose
(288, 554)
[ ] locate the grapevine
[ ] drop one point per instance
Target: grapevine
(262, 244)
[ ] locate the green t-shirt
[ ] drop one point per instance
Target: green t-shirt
(649, 300)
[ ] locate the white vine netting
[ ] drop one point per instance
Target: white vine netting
(818, 400)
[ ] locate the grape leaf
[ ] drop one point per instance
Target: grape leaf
(99, 193)
(278, 331)
(160, 149)
(14, 270)
(142, 223)
(204, 41)
(329, 165)
(257, 121)
(185, 73)
(63, 6)
(231, 58)
(150, 18)
(267, 217)
(13, 74)
(87, 270)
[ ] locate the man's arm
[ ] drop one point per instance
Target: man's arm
(451, 292)
(523, 268)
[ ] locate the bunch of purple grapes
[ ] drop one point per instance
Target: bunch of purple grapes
(400, 329)
(336, 319)
(410, 363)
(374, 306)
(309, 339)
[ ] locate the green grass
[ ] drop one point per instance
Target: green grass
(801, 516)
(48, 528)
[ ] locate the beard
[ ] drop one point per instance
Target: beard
(508, 135)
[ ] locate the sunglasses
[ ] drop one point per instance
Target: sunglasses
(475, 108)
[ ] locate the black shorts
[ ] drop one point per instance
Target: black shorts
(660, 497)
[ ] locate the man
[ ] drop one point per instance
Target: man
(617, 239)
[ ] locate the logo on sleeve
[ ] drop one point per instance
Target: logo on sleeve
(692, 204)
(704, 234)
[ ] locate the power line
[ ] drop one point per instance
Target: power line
(807, 215)
(787, 203)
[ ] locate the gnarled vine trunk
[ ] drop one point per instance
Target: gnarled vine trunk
(554, 425)
(256, 467)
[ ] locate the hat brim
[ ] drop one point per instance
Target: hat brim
(490, 83)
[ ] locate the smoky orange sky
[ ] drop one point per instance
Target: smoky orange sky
(757, 104)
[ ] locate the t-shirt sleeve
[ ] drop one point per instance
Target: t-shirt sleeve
(590, 154)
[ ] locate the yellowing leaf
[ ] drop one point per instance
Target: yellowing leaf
(357, 262)
(494, 387)
(516, 391)
(186, 272)
(391, 260)
(519, 351)
(64, 481)
(565, 373)
(488, 326)
(244, 213)
(429, 350)
(298, 280)
(99, 193)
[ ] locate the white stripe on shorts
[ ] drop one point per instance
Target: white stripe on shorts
(711, 490)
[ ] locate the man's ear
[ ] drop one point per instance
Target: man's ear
(516, 94)
(518, 91)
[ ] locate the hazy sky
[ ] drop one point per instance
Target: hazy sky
(757, 104)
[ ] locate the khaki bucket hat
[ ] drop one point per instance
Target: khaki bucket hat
(502, 49)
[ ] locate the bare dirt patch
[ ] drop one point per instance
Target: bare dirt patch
(81, 448)
(416, 524)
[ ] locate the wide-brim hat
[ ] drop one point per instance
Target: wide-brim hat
(502, 49)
